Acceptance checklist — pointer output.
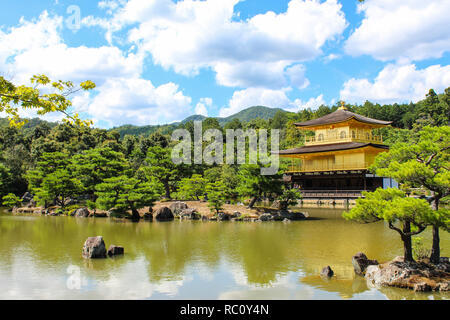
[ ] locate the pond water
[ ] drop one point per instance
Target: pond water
(40, 258)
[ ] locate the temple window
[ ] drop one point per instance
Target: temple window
(320, 137)
(342, 135)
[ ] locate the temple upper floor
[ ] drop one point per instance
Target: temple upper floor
(342, 134)
(342, 126)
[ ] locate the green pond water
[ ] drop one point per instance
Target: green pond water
(40, 258)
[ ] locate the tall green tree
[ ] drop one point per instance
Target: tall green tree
(159, 165)
(424, 162)
(193, 187)
(58, 186)
(93, 166)
(11, 200)
(125, 193)
(407, 216)
(253, 184)
(216, 196)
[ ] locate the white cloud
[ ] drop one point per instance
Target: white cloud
(297, 77)
(37, 47)
(190, 35)
(402, 30)
(77, 64)
(43, 32)
(312, 103)
(397, 83)
(251, 74)
(331, 57)
(266, 97)
(137, 101)
(255, 97)
(202, 106)
(121, 96)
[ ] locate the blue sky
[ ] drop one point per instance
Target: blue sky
(159, 61)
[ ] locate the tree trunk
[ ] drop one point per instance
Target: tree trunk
(435, 249)
(407, 243)
(252, 202)
(435, 256)
(167, 188)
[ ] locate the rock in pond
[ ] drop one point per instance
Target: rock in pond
(82, 213)
(327, 272)
(164, 214)
(361, 262)
(115, 250)
(94, 247)
(178, 207)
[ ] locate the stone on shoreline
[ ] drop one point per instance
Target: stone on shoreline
(94, 247)
(418, 276)
(190, 213)
(115, 250)
(236, 214)
(178, 207)
(222, 216)
(266, 217)
(361, 262)
(148, 216)
(100, 215)
(294, 216)
(164, 214)
(82, 213)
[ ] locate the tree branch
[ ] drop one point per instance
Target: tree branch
(391, 226)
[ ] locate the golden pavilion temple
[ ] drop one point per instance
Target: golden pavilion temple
(335, 160)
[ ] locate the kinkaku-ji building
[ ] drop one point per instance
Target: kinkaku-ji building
(334, 162)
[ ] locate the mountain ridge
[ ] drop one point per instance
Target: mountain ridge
(247, 114)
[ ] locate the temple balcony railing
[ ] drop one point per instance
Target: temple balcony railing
(320, 167)
(313, 140)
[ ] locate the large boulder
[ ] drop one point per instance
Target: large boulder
(27, 197)
(294, 216)
(190, 213)
(82, 213)
(178, 207)
(115, 250)
(94, 247)
(164, 214)
(28, 201)
(222, 216)
(361, 262)
(419, 276)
